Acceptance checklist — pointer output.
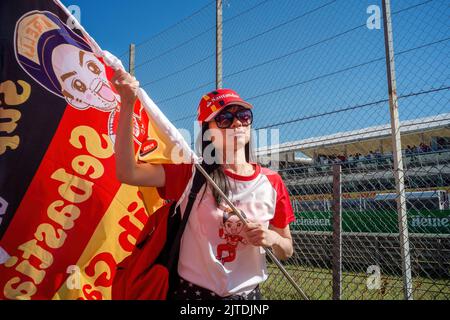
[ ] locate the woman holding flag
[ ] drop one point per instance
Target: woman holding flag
(220, 257)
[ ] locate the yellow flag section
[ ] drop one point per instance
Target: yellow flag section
(113, 240)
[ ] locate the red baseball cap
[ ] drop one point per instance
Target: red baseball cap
(214, 102)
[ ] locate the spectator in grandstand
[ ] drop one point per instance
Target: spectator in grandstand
(409, 150)
(424, 147)
(441, 143)
(378, 154)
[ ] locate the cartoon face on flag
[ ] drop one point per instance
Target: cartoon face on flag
(46, 49)
(65, 220)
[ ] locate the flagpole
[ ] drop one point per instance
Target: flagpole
(240, 216)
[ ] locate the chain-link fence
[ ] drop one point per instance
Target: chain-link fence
(316, 72)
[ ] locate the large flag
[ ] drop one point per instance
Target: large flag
(65, 220)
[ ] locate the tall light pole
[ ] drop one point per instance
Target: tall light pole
(397, 152)
(218, 44)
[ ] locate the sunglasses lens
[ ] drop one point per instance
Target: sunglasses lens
(245, 117)
(224, 120)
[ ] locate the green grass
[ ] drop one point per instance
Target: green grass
(317, 285)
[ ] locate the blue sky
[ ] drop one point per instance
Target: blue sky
(292, 59)
(116, 23)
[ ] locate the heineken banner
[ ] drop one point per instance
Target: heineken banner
(65, 220)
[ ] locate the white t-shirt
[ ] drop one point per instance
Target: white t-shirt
(214, 254)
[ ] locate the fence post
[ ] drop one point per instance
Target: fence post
(337, 232)
(218, 44)
(397, 151)
(131, 59)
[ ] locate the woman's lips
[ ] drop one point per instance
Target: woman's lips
(236, 133)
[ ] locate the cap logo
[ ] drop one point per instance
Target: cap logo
(226, 95)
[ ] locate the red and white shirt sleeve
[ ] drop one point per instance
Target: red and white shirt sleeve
(284, 214)
(177, 178)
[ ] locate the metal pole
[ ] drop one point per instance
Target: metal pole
(337, 232)
(132, 56)
(239, 215)
(218, 44)
(397, 152)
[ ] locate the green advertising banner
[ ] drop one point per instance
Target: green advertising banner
(428, 222)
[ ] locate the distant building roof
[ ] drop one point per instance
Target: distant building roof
(357, 140)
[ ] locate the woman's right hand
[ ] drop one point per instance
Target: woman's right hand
(127, 87)
(127, 170)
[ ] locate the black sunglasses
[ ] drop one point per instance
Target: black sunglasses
(225, 119)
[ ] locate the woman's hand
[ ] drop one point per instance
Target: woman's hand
(258, 235)
(127, 87)
(127, 170)
(279, 239)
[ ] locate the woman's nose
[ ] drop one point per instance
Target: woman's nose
(236, 123)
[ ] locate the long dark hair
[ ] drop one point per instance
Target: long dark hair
(215, 169)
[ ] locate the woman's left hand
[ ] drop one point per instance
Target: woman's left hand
(258, 235)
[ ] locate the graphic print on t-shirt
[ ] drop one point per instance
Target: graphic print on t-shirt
(229, 230)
